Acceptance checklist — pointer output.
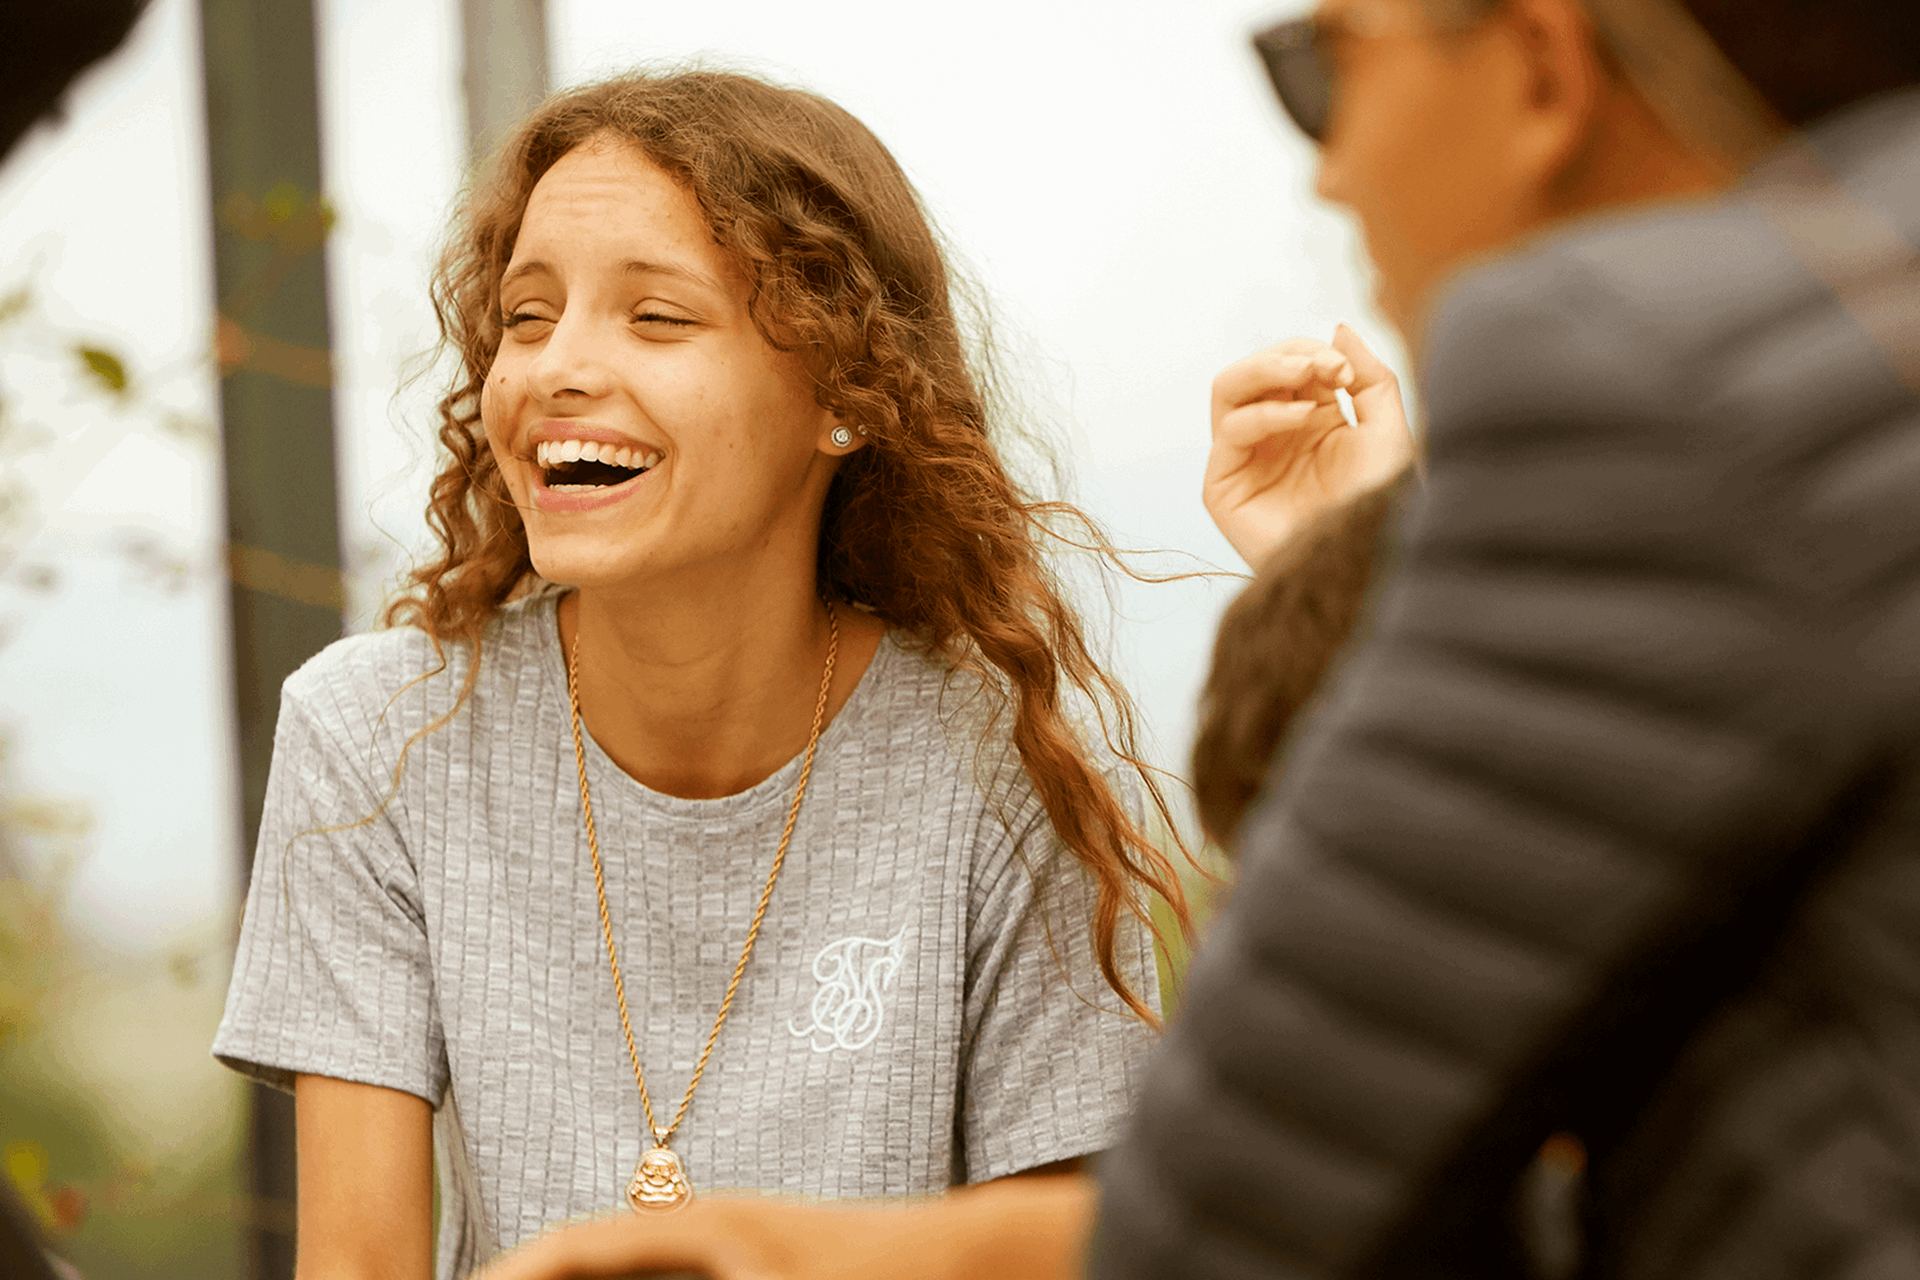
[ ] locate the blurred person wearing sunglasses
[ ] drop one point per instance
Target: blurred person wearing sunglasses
(1604, 837)
(1602, 840)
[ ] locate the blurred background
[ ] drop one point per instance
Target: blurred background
(189, 507)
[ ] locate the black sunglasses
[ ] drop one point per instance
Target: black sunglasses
(1297, 62)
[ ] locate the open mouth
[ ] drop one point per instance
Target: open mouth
(576, 465)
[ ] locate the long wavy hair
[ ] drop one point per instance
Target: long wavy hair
(923, 526)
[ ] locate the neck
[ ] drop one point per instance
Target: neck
(1627, 160)
(705, 694)
(1631, 158)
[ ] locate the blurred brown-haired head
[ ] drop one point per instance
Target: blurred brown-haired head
(922, 525)
(1277, 642)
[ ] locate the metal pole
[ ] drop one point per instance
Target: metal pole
(505, 75)
(276, 410)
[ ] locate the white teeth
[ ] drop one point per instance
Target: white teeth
(552, 453)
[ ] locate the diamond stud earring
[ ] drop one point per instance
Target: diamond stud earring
(842, 437)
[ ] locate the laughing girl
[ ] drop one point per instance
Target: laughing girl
(715, 813)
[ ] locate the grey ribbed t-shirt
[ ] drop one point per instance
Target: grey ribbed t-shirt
(922, 1009)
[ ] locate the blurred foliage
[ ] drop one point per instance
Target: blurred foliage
(121, 1191)
(117, 1129)
(38, 353)
(105, 367)
(32, 950)
(61, 1207)
(287, 217)
(1205, 874)
(56, 388)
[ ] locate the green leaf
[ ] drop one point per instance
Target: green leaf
(283, 201)
(105, 367)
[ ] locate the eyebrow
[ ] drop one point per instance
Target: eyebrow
(632, 267)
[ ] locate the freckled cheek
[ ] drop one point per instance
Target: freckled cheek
(496, 415)
(700, 419)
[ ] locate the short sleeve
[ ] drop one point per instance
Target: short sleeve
(1051, 1059)
(332, 976)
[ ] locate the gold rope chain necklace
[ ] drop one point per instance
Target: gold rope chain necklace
(659, 1181)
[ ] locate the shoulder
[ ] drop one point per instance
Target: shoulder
(914, 690)
(951, 732)
(1609, 325)
(368, 665)
(1706, 316)
(962, 721)
(401, 678)
(357, 677)
(1674, 386)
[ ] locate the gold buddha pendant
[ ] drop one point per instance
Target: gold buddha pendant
(659, 1183)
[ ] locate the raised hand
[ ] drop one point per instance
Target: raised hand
(1283, 452)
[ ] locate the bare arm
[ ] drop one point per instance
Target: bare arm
(1016, 1228)
(1055, 1169)
(366, 1182)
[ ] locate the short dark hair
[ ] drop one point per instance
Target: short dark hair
(1810, 57)
(1806, 57)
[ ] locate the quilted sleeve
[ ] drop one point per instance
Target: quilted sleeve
(1598, 702)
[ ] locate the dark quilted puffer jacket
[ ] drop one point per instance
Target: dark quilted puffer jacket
(1648, 661)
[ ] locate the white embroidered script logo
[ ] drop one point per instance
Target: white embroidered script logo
(855, 974)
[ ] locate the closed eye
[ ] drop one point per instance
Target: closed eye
(655, 317)
(517, 318)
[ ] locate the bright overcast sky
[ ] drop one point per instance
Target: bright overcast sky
(1115, 175)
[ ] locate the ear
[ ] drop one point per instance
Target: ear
(1565, 80)
(838, 439)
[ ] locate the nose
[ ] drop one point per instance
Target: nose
(572, 362)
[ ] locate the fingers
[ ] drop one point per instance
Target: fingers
(1377, 408)
(1299, 367)
(1250, 424)
(1269, 433)
(1274, 412)
(1368, 369)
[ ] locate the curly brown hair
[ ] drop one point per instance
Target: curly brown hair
(923, 526)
